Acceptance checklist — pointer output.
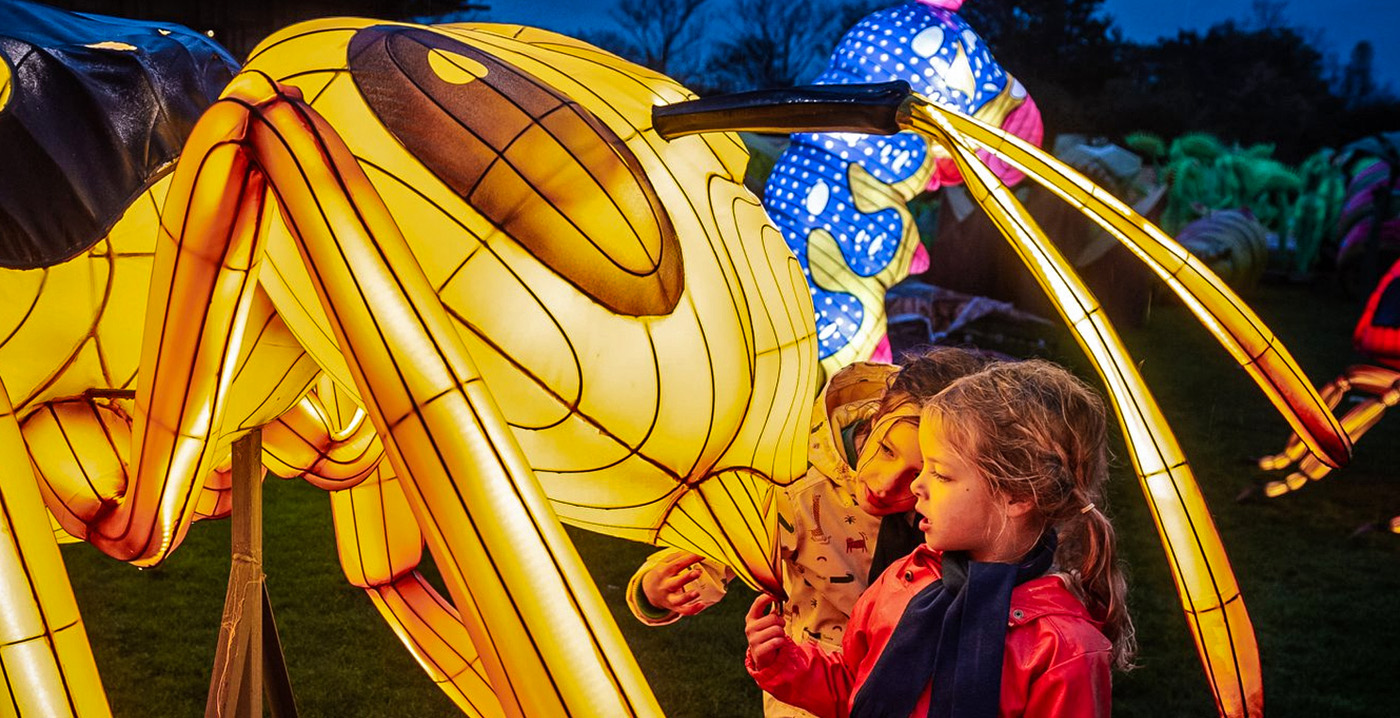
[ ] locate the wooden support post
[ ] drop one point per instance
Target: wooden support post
(248, 649)
(235, 688)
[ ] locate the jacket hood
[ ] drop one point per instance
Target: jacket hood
(853, 394)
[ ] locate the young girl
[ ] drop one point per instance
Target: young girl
(845, 521)
(1014, 604)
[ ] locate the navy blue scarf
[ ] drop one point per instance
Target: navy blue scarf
(953, 634)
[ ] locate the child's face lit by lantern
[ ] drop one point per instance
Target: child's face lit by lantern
(958, 510)
(889, 461)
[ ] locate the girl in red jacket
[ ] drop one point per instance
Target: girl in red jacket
(1014, 605)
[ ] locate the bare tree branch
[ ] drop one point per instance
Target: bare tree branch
(661, 34)
(775, 44)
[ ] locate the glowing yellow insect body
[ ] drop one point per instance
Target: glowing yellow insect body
(646, 333)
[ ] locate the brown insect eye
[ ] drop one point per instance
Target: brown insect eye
(536, 164)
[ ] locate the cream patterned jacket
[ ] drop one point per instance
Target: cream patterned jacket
(826, 540)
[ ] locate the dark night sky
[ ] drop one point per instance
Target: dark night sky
(1343, 22)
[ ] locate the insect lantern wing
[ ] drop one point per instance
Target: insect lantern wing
(131, 91)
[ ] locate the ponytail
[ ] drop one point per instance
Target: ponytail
(1088, 556)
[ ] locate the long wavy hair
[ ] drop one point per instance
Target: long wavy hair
(1037, 433)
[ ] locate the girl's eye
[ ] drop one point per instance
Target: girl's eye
(885, 449)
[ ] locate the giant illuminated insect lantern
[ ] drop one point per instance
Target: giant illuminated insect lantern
(1214, 608)
(840, 197)
(501, 222)
(411, 267)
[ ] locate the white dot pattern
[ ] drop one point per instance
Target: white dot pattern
(809, 188)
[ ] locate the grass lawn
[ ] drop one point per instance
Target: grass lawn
(1323, 604)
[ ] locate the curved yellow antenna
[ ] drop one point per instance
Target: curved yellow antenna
(1209, 592)
(1218, 308)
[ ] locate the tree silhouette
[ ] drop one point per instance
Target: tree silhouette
(1358, 81)
(1267, 15)
(1064, 51)
(661, 34)
(1246, 85)
(773, 44)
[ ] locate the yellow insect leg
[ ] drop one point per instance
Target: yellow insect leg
(547, 641)
(1218, 308)
(201, 291)
(44, 654)
(1209, 593)
(328, 439)
(380, 547)
(300, 444)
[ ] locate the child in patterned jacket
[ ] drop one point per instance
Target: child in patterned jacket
(841, 524)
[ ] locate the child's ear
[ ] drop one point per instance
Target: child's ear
(1016, 508)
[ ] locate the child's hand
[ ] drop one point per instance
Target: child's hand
(665, 586)
(766, 632)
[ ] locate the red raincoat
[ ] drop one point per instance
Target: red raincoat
(1057, 662)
